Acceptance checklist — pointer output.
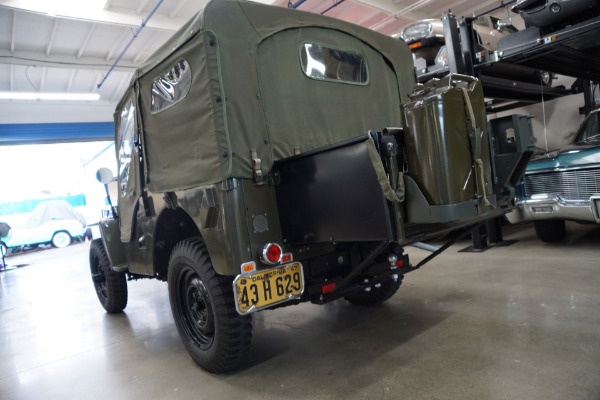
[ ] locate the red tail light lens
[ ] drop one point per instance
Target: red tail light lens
(328, 288)
(271, 253)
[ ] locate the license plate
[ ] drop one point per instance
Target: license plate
(257, 290)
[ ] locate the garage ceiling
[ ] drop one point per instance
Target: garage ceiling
(68, 46)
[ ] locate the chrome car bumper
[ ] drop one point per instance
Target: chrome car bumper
(553, 206)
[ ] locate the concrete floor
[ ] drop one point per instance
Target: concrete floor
(520, 322)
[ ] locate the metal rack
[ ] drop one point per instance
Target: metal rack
(573, 51)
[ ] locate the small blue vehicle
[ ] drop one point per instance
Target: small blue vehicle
(562, 185)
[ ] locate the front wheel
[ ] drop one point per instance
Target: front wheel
(202, 302)
(551, 230)
(111, 286)
(61, 239)
(376, 295)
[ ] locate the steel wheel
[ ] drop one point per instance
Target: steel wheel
(110, 286)
(213, 333)
(195, 309)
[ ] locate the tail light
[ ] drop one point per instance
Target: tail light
(271, 253)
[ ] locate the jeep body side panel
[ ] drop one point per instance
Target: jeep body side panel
(111, 236)
(195, 212)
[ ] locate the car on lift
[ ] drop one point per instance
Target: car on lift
(563, 185)
(555, 14)
(55, 222)
(425, 38)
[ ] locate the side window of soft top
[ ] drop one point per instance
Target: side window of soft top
(126, 133)
(171, 87)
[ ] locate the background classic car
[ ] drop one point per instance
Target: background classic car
(426, 37)
(55, 222)
(426, 40)
(563, 185)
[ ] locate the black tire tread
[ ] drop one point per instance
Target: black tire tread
(551, 230)
(116, 282)
(235, 331)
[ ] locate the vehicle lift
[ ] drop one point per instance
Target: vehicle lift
(572, 51)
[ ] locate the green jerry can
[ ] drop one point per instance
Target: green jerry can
(447, 150)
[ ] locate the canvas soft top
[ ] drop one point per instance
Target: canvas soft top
(249, 99)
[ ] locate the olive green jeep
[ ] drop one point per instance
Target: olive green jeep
(268, 157)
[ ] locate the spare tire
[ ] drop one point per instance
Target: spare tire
(4, 229)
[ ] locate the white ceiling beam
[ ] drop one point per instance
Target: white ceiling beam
(43, 79)
(414, 6)
(71, 80)
(86, 40)
(382, 23)
(141, 7)
(390, 8)
(14, 32)
(97, 80)
(61, 61)
(114, 16)
(52, 36)
(107, 5)
(118, 91)
(12, 78)
(385, 6)
(146, 46)
(177, 8)
(349, 8)
(367, 17)
(119, 45)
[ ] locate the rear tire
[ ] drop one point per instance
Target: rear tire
(202, 302)
(551, 230)
(376, 295)
(111, 286)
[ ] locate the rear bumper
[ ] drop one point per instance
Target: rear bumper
(553, 206)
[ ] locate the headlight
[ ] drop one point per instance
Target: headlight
(416, 31)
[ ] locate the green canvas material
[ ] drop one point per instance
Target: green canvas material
(249, 92)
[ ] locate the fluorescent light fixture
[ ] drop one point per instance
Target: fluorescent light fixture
(49, 96)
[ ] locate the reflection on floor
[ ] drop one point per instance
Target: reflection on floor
(517, 322)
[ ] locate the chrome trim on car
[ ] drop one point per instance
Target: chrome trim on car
(562, 169)
(554, 206)
(571, 185)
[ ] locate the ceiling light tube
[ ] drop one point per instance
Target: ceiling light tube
(49, 96)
